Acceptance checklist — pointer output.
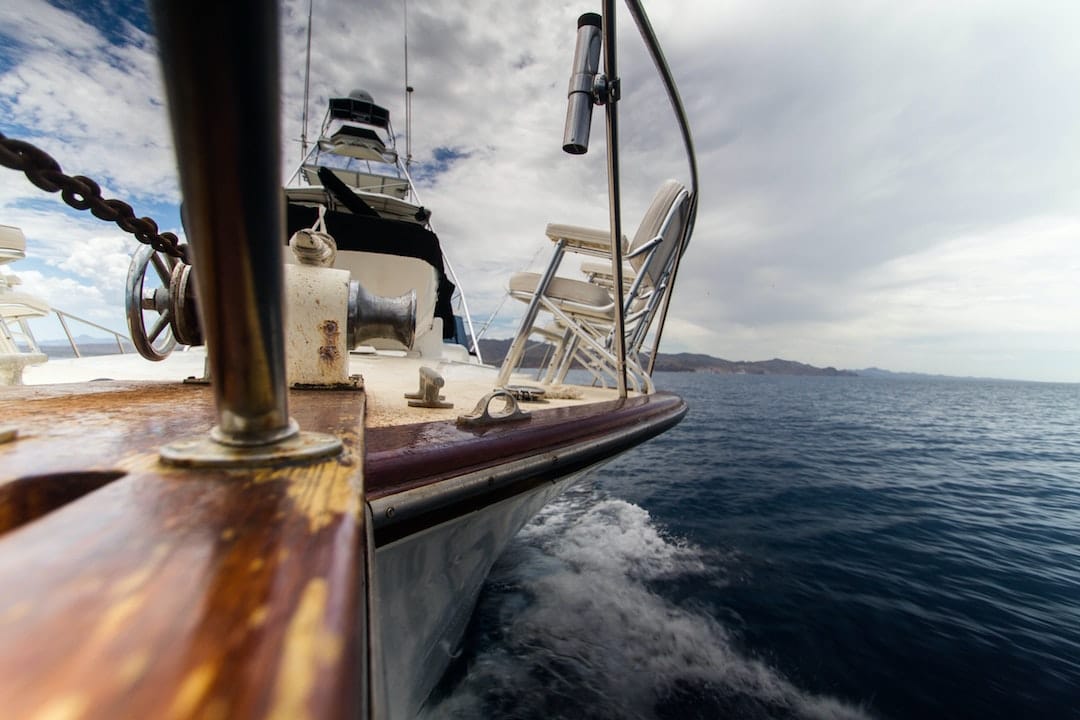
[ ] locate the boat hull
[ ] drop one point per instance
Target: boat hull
(435, 543)
(333, 589)
(426, 587)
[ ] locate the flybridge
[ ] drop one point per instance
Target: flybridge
(357, 143)
(359, 107)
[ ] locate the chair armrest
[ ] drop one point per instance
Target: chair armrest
(588, 241)
(602, 268)
(600, 274)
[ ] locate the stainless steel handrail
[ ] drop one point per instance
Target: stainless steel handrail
(648, 35)
(614, 200)
(119, 337)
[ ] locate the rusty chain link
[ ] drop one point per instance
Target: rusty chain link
(82, 193)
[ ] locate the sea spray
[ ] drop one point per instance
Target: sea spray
(571, 626)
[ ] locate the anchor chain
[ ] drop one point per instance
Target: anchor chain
(82, 193)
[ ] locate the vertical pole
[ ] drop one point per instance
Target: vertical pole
(71, 340)
(614, 202)
(307, 86)
(517, 347)
(220, 65)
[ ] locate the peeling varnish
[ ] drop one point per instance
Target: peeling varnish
(132, 667)
(68, 707)
(16, 612)
(133, 581)
(258, 616)
(144, 463)
(113, 620)
(192, 691)
(320, 492)
(309, 649)
(216, 709)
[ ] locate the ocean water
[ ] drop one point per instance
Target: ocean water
(801, 548)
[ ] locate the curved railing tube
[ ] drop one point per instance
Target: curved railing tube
(587, 86)
(645, 29)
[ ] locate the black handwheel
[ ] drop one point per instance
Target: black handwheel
(157, 342)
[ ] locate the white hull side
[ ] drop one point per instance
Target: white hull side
(425, 589)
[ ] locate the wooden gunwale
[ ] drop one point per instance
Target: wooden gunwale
(170, 593)
(452, 471)
(132, 589)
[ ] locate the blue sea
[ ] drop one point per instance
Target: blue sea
(801, 547)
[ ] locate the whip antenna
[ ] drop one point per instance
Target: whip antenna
(408, 94)
(307, 84)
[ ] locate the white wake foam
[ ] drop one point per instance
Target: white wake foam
(583, 629)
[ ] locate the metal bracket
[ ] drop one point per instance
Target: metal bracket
(606, 91)
(526, 393)
(428, 395)
(204, 451)
(482, 416)
(204, 380)
(354, 382)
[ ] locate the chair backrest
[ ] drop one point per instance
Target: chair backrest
(667, 216)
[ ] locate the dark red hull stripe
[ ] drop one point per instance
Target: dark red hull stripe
(423, 475)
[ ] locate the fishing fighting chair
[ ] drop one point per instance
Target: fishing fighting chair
(584, 310)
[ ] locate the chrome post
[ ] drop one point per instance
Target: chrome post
(517, 347)
(219, 61)
(614, 202)
(71, 340)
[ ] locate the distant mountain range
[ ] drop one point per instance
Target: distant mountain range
(495, 350)
(88, 345)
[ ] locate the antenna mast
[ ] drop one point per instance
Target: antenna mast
(307, 84)
(408, 95)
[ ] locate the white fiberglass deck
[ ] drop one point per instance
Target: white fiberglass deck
(387, 377)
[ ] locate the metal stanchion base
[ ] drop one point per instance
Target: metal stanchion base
(205, 452)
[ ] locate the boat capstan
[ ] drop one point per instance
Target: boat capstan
(311, 288)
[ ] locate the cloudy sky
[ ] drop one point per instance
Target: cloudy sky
(882, 183)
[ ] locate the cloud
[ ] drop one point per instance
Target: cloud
(845, 150)
(94, 105)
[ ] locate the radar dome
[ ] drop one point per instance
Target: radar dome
(362, 95)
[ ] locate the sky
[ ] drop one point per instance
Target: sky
(882, 184)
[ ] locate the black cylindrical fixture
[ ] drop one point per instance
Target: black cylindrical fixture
(582, 77)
